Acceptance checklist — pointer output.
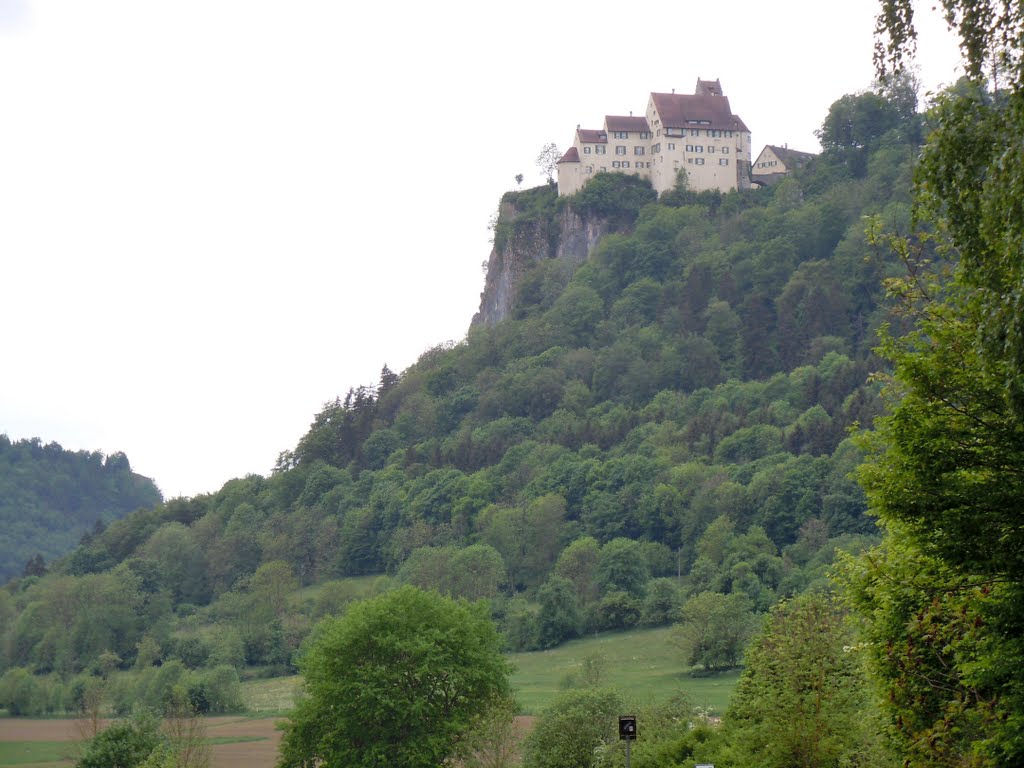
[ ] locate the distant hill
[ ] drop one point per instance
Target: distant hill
(653, 405)
(50, 498)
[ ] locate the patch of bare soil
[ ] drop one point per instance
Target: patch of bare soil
(247, 754)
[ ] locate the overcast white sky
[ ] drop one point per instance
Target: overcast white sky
(215, 215)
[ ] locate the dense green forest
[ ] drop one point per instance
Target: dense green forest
(51, 498)
(661, 433)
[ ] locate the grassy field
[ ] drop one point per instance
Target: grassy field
(273, 696)
(643, 664)
(35, 753)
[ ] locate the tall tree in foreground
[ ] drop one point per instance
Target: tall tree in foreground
(802, 700)
(401, 679)
(943, 599)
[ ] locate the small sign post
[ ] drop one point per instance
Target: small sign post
(627, 732)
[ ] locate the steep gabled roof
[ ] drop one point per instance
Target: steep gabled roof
(790, 156)
(571, 155)
(590, 136)
(620, 123)
(680, 110)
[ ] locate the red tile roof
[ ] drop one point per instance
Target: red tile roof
(619, 123)
(588, 136)
(571, 156)
(680, 110)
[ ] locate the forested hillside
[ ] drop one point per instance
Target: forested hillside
(50, 498)
(661, 431)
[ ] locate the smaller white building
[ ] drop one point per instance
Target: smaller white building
(775, 163)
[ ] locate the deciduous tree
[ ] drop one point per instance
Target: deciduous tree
(398, 680)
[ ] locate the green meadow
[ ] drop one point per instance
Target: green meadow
(641, 663)
(35, 753)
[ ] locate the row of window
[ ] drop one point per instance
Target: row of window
(617, 164)
(700, 160)
(625, 134)
(600, 149)
(711, 133)
(768, 164)
(620, 150)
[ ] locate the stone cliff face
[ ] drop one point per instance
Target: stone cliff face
(571, 238)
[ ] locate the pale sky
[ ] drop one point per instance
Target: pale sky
(216, 215)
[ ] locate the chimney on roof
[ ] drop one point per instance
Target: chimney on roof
(631, 113)
(673, 90)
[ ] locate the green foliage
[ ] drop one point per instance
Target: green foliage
(617, 197)
(528, 214)
(51, 498)
(941, 601)
(803, 698)
(714, 628)
(571, 728)
(855, 124)
(559, 616)
(399, 680)
(125, 744)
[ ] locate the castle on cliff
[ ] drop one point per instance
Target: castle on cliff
(696, 133)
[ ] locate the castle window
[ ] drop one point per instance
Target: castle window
(698, 147)
(725, 150)
(586, 150)
(625, 163)
(616, 163)
(689, 147)
(645, 134)
(695, 131)
(600, 149)
(638, 150)
(621, 134)
(656, 149)
(699, 161)
(723, 161)
(671, 147)
(620, 150)
(590, 169)
(711, 148)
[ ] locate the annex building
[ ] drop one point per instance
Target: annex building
(695, 132)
